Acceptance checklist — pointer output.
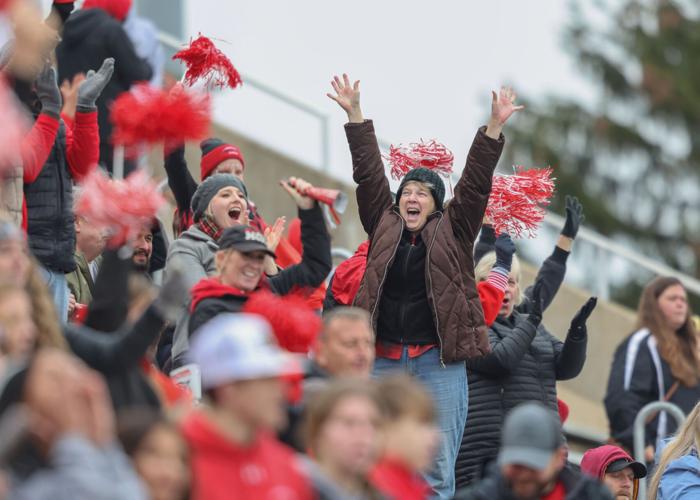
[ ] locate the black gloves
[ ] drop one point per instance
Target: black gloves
(574, 217)
(535, 316)
(577, 331)
(505, 248)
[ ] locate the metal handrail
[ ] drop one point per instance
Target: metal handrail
(640, 431)
(323, 119)
(608, 245)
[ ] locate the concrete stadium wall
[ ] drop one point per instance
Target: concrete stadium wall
(607, 327)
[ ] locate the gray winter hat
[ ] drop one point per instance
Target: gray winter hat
(426, 176)
(208, 189)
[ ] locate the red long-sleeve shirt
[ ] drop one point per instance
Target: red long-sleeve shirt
(82, 148)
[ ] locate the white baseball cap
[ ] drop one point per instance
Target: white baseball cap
(239, 346)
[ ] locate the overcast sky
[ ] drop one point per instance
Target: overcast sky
(426, 67)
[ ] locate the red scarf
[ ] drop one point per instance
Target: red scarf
(210, 228)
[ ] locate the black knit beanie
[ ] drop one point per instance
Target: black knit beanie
(208, 189)
(427, 176)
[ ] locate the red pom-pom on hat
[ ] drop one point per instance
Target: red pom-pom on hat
(147, 115)
(431, 155)
(516, 204)
(295, 324)
(206, 62)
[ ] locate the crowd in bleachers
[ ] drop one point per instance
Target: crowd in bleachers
(234, 362)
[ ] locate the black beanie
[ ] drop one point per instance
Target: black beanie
(208, 189)
(429, 177)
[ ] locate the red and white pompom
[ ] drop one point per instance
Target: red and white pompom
(295, 324)
(516, 204)
(207, 63)
(431, 155)
(121, 206)
(14, 126)
(147, 115)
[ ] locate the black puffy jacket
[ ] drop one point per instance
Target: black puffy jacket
(50, 220)
(524, 365)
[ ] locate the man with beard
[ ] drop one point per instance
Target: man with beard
(143, 249)
(616, 468)
(150, 249)
(532, 463)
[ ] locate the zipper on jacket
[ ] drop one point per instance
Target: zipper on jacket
(430, 282)
(386, 271)
(402, 325)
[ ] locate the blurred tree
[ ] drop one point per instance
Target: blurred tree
(632, 157)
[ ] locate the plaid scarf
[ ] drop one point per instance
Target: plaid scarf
(209, 227)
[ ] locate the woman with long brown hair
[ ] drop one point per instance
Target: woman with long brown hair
(678, 471)
(660, 361)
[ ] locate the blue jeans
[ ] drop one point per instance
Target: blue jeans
(448, 387)
(58, 288)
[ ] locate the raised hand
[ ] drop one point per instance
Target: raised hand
(505, 248)
(502, 107)
(297, 188)
(574, 217)
(47, 90)
(578, 323)
(535, 316)
(348, 97)
(274, 233)
(93, 85)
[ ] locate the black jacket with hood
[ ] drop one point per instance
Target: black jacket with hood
(89, 37)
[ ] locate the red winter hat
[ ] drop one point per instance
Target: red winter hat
(215, 151)
(118, 9)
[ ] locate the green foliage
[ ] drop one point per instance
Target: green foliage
(632, 157)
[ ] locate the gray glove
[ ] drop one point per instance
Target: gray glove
(48, 92)
(173, 295)
(93, 86)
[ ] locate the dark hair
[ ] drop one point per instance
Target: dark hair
(134, 424)
(678, 348)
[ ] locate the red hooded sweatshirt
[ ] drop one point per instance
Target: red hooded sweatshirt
(596, 461)
(395, 480)
(223, 470)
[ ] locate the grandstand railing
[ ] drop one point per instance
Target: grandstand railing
(603, 246)
(172, 44)
(640, 431)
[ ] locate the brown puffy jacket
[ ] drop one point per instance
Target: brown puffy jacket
(449, 236)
